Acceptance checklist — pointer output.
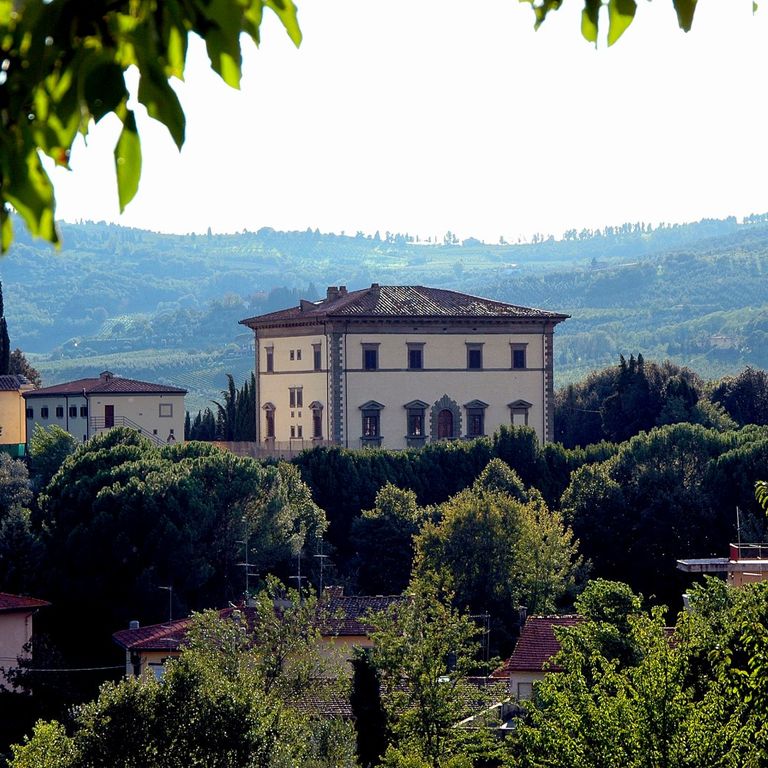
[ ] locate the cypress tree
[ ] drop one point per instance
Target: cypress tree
(5, 342)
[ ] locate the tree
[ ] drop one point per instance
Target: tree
(48, 447)
(383, 537)
(224, 702)
(500, 552)
(80, 54)
(424, 649)
(5, 343)
(19, 364)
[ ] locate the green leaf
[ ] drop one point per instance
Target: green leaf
(685, 10)
(589, 20)
(6, 229)
(103, 86)
(287, 13)
(222, 41)
(128, 161)
(30, 192)
(541, 9)
(160, 100)
(621, 13)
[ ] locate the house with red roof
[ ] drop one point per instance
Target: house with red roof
(16, 612)
(397, 366)
(86, 407)
(533, 654)
(342, 620)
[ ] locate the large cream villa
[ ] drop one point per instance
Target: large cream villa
(86, 407)
(397, 366)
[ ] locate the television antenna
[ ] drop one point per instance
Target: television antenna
(169, 590)
(323, 565)
(298, 577)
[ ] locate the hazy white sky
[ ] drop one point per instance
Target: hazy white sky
(423, 116)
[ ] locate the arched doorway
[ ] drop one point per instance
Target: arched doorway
(444, 424)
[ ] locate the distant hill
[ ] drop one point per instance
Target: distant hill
(165, 307)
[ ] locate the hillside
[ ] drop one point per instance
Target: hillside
(166, 307)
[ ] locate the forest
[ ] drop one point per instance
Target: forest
(594, 524)
(166, 307)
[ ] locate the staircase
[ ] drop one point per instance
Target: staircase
(98, 424)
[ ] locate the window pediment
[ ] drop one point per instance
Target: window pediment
(416, 404)
(476, 404)
(268, 407)
(371, 405)
(522, 404)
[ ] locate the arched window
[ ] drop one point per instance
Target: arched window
(444, 424)
(269, 414)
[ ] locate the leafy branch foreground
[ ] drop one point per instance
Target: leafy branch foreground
(62, 66)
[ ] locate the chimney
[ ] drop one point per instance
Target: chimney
(133, 624)
(522, 612)
(333, 591)
(375, 290)
(331, 293)
(342, 290)
(106, 375)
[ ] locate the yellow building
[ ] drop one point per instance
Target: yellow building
(86, 407)
(398, 366)
(13, 432)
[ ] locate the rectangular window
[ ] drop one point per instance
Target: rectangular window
(518, 355)
(166, 409)
(317, 423)
(270, 359)
(293, 355)
(317, 360)
(83, 411)
(475, 422)
(270, 424)
(44, 412)
(30, 413)
(415, 357)
(293, 431)
(370, 357)
(298, 354)
(415, 422)
(370, 424)
(59, 411)
(474, 356)
(299, 431)
(72, 411)
(296, 397)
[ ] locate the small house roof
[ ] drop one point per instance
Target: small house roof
(537, 644)
(106, 383)
(342, 616)
(13, 382)
(10, 603)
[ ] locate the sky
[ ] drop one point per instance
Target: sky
(429, 116)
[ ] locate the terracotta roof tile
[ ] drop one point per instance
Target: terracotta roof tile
(343, 616)
(12, 382)
(105, 384)
(537, 644)
(10, 602)
(403, 301)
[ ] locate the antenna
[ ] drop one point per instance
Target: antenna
(322, 558)
(738, 529)
(486, 632)
(169, 590)
(298, 577)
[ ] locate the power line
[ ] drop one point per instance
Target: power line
(72, 669)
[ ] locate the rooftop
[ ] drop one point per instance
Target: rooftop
(344, 616)
(537, 644)
(106, 383)
(398, 301)
(14, 381)
(9, 603)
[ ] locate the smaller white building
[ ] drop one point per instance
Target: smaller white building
(86, 407)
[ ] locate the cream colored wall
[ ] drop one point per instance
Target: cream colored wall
(275, 387)
(516, 678)
(143, 410)
(444, 372)
(12, 418)
(77, 426)
(15, 633)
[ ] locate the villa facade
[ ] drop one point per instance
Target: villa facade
(400, 366)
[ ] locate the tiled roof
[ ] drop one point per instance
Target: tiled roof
(13, 381)
(389, 301)
(106, 383)
(10, 603)
(537, 644)
(346, 614)
(342, 616)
